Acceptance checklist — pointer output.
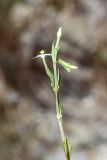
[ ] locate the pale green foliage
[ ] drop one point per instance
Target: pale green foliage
(55, 79)
(67, 148)
(67, 66)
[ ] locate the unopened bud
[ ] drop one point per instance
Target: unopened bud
(74, 67)
(59, 33)
(42, 52)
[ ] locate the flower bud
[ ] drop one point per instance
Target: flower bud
(59, 33)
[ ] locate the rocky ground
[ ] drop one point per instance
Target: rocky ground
(28, 125)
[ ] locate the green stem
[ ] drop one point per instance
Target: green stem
(45, 64)
(59, 118)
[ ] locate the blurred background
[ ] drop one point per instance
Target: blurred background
(28, 125)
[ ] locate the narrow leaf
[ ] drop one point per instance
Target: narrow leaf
(49, 73)
(58, 38)
(67, 149)
(54, 53)
(59, 33)
(67, 66)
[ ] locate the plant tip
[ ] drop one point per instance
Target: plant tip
(74, 67)
(59, 32)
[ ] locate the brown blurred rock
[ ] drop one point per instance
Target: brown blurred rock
(28, 126)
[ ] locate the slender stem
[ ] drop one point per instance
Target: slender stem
(61, 129)
(60, 121)
(45, 64)
(59, 118)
